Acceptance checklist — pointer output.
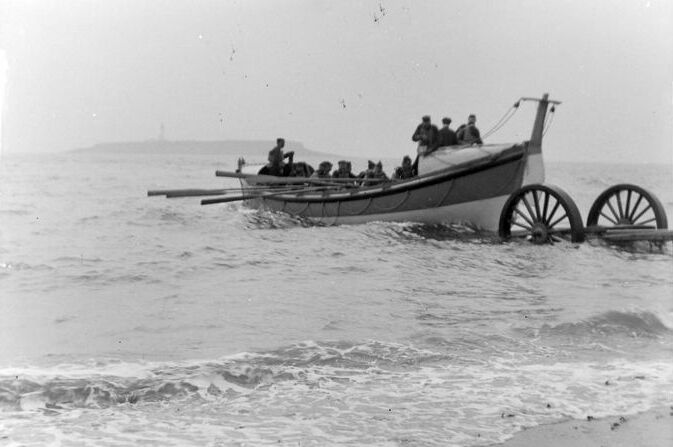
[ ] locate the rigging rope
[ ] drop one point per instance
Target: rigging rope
(503, 120)
(510, 113)
(548, 120)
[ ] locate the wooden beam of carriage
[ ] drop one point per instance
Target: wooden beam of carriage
(625, 235)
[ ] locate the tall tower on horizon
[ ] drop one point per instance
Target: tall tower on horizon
(162, 132)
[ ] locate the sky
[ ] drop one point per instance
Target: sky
(347, 77)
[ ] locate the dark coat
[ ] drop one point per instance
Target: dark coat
(401, 173)
(279, 171)
(446, 137)
(425, 135)
(469, 134)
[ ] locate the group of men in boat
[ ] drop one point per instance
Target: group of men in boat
(373, 174)
(429, 138)
(427, 135)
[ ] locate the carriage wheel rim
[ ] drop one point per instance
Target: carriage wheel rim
(627, 204)
(541, 214)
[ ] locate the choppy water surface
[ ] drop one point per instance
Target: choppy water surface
(133, 320)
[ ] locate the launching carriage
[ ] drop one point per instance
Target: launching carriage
(492, 187)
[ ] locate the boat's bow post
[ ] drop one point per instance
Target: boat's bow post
(535, 145)
(535, 164)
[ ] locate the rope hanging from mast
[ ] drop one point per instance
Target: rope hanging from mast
(503, 120)
(549, 120)
(512, 110)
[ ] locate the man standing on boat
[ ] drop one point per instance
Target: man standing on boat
(468, 133)
(276, 166)
(425, 135)
(446, 136)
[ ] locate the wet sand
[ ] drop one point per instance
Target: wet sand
(653, 428)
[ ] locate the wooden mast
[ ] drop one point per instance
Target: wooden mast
(535, 166)
(535, 145)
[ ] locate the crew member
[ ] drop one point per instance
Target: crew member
(276, 166)
(446, 136)
(425, 135)
(405, 171)
(323, 170)
(468, 133)
(376, 176)
(370, 169)
(344, 172)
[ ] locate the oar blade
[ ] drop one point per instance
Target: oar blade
(228, 199)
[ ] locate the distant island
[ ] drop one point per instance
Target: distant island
(229, 148)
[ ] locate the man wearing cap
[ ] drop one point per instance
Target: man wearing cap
(425, 135)
(468, 133)
(446, 136)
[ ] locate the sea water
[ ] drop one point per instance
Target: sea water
(135, 320)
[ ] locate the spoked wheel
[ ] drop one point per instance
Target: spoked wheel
(541, 214)
(625, 204)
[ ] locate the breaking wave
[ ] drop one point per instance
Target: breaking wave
(320, 393)
(104, 385)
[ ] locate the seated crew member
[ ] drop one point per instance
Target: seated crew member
(405, 171)
(376, 174)
(446, 136)
(344, 170)
(323, 170)
(301, 169)
(276, 166)
(341, 168)
(468, 133)
(370, 167)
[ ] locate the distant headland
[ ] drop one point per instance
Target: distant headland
(229, 148)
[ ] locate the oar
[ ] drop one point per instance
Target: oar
(173, 193)
(273, 180)
(290, 180)
(186, 192)
(259, 195)
(262, 178)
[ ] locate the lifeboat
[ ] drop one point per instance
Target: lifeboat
(456, 184)
(493, 187)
